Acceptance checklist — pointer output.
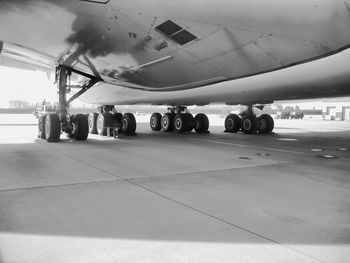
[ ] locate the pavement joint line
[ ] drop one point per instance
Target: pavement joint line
(221, 219)
(209, 171)
(55, 186)
(194, 209)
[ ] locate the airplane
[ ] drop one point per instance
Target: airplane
(177, 53)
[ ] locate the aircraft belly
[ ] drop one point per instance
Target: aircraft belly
(119, 40)
(327, 77)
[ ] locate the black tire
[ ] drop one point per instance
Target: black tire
(82, 127)
(41, 127)
(52, 128)
(183, 123)
(167, 122)
(201, 123)
(156, 122)
(190, 122)
(249, 124)
(266, 123)
(129, 124)
(104, 120)
(232, 123)
(92, 120)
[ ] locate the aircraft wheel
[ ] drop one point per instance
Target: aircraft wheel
(249, 124)
(156, 122)
(104, 120)
(201, 123)
(183, 122)
(129, 124)
(266, 123)
(41, 127)
(81, 124)
(167, 122)
(92, 121)
(52, 128)
(232, 123)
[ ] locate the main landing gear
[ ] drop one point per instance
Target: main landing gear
(52, 124)
(108, 119)
(249, 123)
(180, 120)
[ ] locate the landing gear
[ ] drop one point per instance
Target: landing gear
(52, 124)
(249, 123)
(110, 119)
(179, 119)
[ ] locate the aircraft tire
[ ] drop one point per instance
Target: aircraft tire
(129, 124)
(82, 127)
(201, 123)
(41, 127)
(92, 120)
(104, 120)
(156, 121)
(190, 122)
(232, 123)
(183, 122)
(167, 122)
(266, 124)
(249, 124)
(52, 128)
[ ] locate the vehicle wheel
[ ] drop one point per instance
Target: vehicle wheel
(168, 122)
(182, 123)
(41, 127)
(249, 124)
(52, 128)
(156, 122)
(190, 122)
(81, 127)
(92, 122)
(104, 120)
(201, 123)
(129, 124)
(232, 123)
(266, 123)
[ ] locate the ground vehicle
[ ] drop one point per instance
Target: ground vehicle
(283, 115)
(297, 115)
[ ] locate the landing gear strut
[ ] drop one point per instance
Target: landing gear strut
(180, 120)
(75, 126)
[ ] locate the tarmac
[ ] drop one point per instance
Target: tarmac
(167, 197)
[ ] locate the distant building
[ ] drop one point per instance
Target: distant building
(336, 110)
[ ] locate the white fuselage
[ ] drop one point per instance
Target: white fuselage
(190, 52)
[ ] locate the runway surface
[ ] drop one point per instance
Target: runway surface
(166, 197)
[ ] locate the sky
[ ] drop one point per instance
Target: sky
(31, 86)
